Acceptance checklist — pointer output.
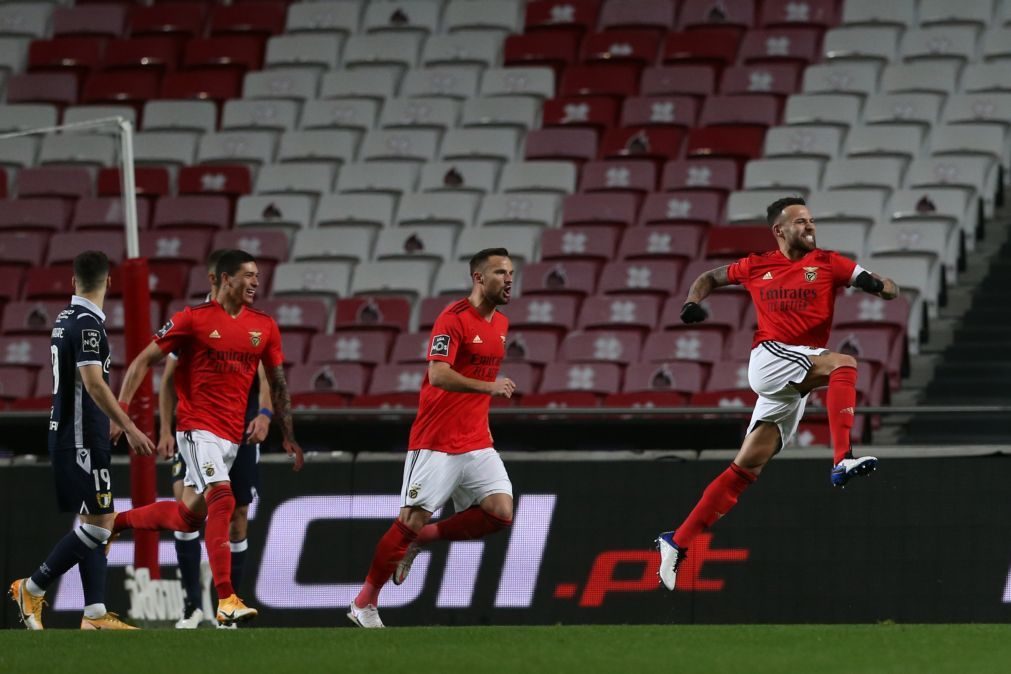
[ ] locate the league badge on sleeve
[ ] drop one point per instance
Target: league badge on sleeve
(440, 346)
(164, 329)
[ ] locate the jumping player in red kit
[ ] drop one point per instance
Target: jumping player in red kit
(450, 453)
(794, 290)
(220, 345)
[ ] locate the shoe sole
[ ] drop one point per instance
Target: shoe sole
(859, 471)
(659, 580)
(354, 620)
(245, 617)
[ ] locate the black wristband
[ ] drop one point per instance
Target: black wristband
(868, 283)
(693, 312)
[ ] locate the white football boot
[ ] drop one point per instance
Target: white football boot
(367, 617)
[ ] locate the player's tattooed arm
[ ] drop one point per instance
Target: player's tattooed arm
(282, 414)
(706, 283)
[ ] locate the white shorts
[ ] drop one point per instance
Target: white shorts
(208, 458)
(431, 478)
(773, 367)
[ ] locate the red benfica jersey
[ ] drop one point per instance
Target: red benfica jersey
(457, 423)
(218, 358)
(794, 300)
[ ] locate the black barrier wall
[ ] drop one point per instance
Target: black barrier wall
(923, 540)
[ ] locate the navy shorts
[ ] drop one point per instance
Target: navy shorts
(83, 480)
(244, 475)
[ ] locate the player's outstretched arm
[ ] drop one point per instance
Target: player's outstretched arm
(94, 383)
(166, 410)
(282, 414)
(131, 382)
(441, 375)
(258, 428)
(707, 282)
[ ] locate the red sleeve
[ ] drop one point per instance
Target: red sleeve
(740, 271)
(173, 335)
(842, 269)
(447, 335)
(273, 355)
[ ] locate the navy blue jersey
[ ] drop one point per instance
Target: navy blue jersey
(78, 339)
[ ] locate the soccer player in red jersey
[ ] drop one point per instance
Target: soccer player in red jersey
(220, 344)
(450, 453)
(794, 290)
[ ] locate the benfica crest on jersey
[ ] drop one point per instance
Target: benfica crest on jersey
(254, 337)
(811, 274)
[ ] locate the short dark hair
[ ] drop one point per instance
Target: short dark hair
(90, 269)
(231, 261)
(212, 260)
(481, 256)
(774, 210)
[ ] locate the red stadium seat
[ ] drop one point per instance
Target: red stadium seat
(874, 345)
(107, 213)
(661, 242)
(105, 20)
(183, 19)
(701, 173)
(165, 280)
(527, 378)
(149, 181)
(653, 14)
(618, 175)
(345, 379)
(617, 46)
(559, 277)
(789, 13)
(305, 315)
(73, 55)
(781, 79)
(157, 53)
(550, 48)
(131, 87)
(16, 383)
(64, 246)
(387, 401)
(244, 52)
(694, 269)
(708, 14)
(738, 241)
(56, 88)
(676, 111)
(601, 347)
(566, 144)
(601, 79)
(644, 142)
(214, 85)
(597, 112)
(579, 243)
(560, 399)
(11, 278)
(741, 109)
(115, 316)
(641, 277)
(410, 347)
(176, 245)
(575, 15)
(430, 309)
(726, 314)
(781, 45)
(729, 375)
(27, 350)
(743, 142)
(28, 317)
(231, 181)
(353, 346)
(55, 181)
(542, 313)
(684, 378)
(685, 79)
(262, 243)
(34, 214)
(700, 46)
(739, 397)
(212, 212)
(596, 378)
(250, 18)
(699, 346)
(601, 209)
(683, 206)
(23, 248)
(531, 347)
(626, 313)
(859, 310)
(294, 346)
(373, 313)
(388, 379)
(648, 399)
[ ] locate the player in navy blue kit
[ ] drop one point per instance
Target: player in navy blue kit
(244, 475)
(80, 449)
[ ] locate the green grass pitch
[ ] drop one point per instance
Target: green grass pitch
(748, 649)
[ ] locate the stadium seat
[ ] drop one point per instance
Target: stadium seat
(192, 211)
(292, 84)
(576, 16)
(34, 214)
(663, 242)
(446, 81)
(237, 52)
(783, 13)
(300, 315)
(370, 208)
(765, 78)
(682, 206)
(22, 116)
(572, 144)
(934, 76)
(35, 317)
(784, 173)
(861, 43)
(884, 140)
(858, 310)
(429, 208)
(339, 18)
(23, 248)
(425, 242)
(537, 82)
(555, 49)
(396, 53)
(517, 112)
(559, 277)
(27, 350)
(367, 347)
(231, 181)
(76, 114)
(410, 347)
(265, 244)
(536, 348)
(115, 316)
(342, 113)
(477, 176)
(705, 14)
(271, 115)
(234, 147)
(700, 173)
(684, 378)
(846, 237)
(822, 109)
(29, 20)
(726, 309)
(78, 149)
(610, 79)
(937, 240)
(387, 379)
(600, 209)
(149, 181)
(326, 385)
(628, 313)
(520, 240)
(729, 375)
(644, 142)
(700, 346)
(499, 144)
(676, 111)
(319, 51)
(460, 49)
(71, 182)
(248, 18)
(739, 142)
(738, 241)
(553, 177)
(213, 85)
(418, 145)
(58, 89)
(874, 346)
(159, 53)
(489, 17)
(64, 246)
(808, 141)
(596, 378)
(434, 113)
(189, 246)
(957, 44)
(542, 313)
(313, 179)
(198, 116)
(329, 146)
(392, 277)
(867, 205)
(693, 80)
(75, 55)
(976, 14)
(540, 210)
(883, 173)
(107, 213)
(600, 347)
(700, 46)
(184, 19)
(632, 176)
(282, 211)
(844, 77)
(794, 45)
(330, 279)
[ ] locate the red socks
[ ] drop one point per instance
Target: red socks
(840, 403)
(463, 526)
(389, 551)
(717, 500)
(220, 504)
(172, 515)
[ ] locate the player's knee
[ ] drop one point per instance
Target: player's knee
(500, 509)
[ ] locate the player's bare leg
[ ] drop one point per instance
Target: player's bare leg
(838, 371)
(758, 448)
